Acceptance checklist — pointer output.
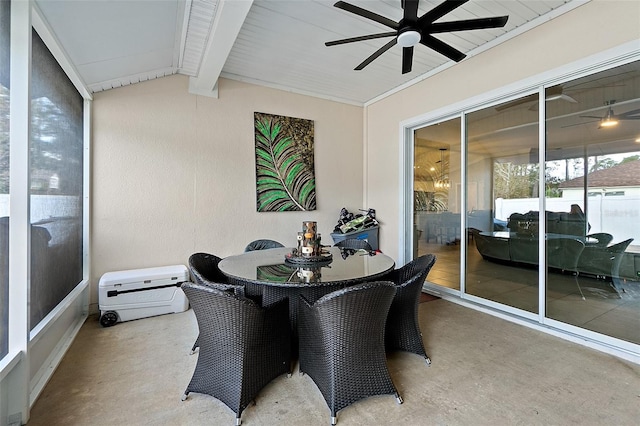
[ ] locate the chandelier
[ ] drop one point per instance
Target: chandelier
(443, 182)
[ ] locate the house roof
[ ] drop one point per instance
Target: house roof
(627, 174)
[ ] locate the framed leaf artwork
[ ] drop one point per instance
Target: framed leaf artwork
(285, 177)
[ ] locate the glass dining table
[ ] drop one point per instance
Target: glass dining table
(267, 276)
(269, 268)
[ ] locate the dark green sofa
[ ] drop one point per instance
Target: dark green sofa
(568, 248)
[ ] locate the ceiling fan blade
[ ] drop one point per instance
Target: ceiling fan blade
(630, 115)
(439, 11)
(562, 97)
(375, 54)
(466, 25)
(555, 93)
(590, 116)
(516, 102)
(442, 48)
(410, 10)
(567, 98)
(367, 14)
(580, 124)
(360, 38)
(407, 59)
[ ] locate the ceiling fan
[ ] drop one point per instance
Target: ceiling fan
(610, 119)
(411, 30)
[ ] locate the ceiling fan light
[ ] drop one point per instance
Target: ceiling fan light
(409, 38)
(609, 122)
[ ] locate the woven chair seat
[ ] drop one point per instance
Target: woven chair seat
(243, 347)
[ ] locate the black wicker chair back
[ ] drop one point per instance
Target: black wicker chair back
(311, 293)
(242, 346)
(603, 238)
(402, 331)
(354, 244)
(262, 245)
(204, 271)
(342, 343)
(204, 267)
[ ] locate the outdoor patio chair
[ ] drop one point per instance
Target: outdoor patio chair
(243, 347)
(342, 344)
(311, 293)
(603, 239)
(564, 254)
(354, 244)
(605, 262)
(204, 271)
(402, 330)
(262, 245)
(204, 268)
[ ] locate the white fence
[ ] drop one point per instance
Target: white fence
(618, 216)
(46, 206)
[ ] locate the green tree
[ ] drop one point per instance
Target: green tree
(55, 148)
(603, 163)
(630, 159)
(515, 180)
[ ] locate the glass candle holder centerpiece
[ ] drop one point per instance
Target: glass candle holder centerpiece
(309, 275)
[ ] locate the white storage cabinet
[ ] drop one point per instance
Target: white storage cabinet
(140, 293)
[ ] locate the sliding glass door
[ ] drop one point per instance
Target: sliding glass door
(436, 204)
(502, 183)
(5, 33)
(593, 173)
(584, 174)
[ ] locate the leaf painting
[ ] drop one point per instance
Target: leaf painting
(285, 178)
(277, 273)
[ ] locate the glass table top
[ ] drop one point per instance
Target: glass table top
(269, 267)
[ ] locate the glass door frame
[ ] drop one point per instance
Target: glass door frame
(537, 84)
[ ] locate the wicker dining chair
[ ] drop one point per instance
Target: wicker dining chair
(342, 344)
(243, 347)
(311, 293)
(402, 331)
(204, 271)
(354, 244)
(262, 245)
(204, 268)
(564, 255)
(602, 239)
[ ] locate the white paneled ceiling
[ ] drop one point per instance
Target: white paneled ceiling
(275, 43)
(114, 43)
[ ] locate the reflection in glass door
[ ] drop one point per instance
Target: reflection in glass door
(436, 204)
(502, 204)
(5, 30)
(593, 203)
(590, 190)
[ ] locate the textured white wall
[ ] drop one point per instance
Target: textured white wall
(174, 173)
(587, 30)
